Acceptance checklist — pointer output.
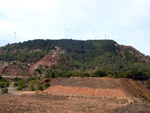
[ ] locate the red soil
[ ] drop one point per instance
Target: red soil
(47, 60)
(103, 78)
(86, 91)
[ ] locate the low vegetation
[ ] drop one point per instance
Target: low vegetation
(90, 58)
(135, 75)
(35, 85)
(79, 55)
(19, 83)
(3, 83)
(4, 90)
(148, 83)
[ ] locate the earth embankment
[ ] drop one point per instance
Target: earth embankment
(100, 87)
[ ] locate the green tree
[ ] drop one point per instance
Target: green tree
(5, 90)
(19, 88)
(99, 73)
(46, 85)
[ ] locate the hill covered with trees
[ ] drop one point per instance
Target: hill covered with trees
(76, 55)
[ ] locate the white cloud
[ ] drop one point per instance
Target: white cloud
(128, 19)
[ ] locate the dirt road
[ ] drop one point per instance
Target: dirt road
(11, 91)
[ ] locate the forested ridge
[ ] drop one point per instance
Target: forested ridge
(79, 55)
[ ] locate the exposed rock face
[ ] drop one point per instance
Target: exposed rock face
(47, 60)
(11, 70)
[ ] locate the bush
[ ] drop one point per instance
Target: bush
(31, 86)
(15, 84)
(137, 75)
(16, 79)
(47, 75)
(2, 84)
(5, 90)
(6, 84)
(20, 82)
(86, 74)
(3, 80)
(46, 85)
(31, 78)
(40, 87)
(99, 73)
(19, 88)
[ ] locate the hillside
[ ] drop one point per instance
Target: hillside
(74, 55)
(92, 75)
(100, 87)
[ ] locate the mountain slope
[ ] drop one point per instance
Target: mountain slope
(77, 55)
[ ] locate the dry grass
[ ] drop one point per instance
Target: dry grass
(45, 103)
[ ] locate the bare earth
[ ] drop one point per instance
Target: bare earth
(46, 103)
(79, 95)
(99, 87)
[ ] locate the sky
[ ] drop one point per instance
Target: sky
(125, 21)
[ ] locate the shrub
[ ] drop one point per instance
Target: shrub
(47, 75)
(32, 88)
(86, 75)
(6, 84)
(40, 87)
(16, 79)
(31, 78)
(2, 84)
(46, 85)
(20, 82)
(19, 88)
(5, 90)
(99, 73)
(148, 83)
(31, 85)
(137, 75)
(15, 84)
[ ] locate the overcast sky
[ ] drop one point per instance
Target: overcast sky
(125, 21)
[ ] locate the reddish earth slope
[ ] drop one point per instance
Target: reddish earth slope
(47, 60)
(11, 70)
(132, 51)
(101, 87)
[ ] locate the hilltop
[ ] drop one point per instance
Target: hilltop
(74, 55)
